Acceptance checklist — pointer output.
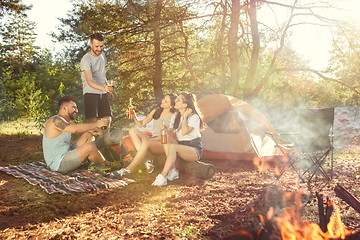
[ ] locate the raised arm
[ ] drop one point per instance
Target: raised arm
(146, 120)
(185, 128)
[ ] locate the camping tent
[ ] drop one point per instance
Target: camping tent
(235, 130)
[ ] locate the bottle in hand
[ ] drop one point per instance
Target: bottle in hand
(111, 84)
(164, 134)
(129, 112)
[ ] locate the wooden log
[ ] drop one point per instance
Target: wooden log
(329, 211)
(347, 197)
(200, 169)
(322, 219)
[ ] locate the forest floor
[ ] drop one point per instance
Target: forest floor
(188, 208)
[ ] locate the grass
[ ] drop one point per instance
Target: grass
(21, 127)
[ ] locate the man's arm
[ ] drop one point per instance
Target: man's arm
(64, 126)
(91, 83)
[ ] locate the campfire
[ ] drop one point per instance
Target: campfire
(291, 227)
(287, 224)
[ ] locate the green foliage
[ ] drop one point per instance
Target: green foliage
(31, 80)
(345, 63)
(17, 46)
(11, 7)
(6, 106)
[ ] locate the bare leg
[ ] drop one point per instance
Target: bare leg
(89, 151)
(136, 137)
(139, 157)
(167, 148)
(185, 152)
(84, 138)
(155, 146)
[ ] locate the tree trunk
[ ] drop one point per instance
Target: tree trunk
(157, 80)
(249, 82)
(220, 44)
(186, 55)
(233, 47)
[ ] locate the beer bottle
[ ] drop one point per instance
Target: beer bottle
(164, 134)
(130, 109)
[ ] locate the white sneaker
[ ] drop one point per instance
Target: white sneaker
(173, 174)
(149, 166)
(121, 173)
(160, 181)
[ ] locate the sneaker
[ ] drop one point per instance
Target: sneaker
(98, 167)
(160, 181)
(173, 174)
(121, 173)
(149, 166)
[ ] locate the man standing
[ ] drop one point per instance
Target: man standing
(96, 89)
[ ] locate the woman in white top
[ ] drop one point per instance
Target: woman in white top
(143, 142)
(187, 125)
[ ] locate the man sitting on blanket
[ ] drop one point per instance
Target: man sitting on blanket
(59, 154)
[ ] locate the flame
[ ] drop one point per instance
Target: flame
(277, 171)
(261, 164)
(270, 213)
(293, 228)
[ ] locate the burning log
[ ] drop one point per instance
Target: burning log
(324, 216)
(347, 197)
(287, 224)
(322, 220)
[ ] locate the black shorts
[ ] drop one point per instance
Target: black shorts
(195, 143)
(97, 105)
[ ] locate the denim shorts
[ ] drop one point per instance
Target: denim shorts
(195, 143)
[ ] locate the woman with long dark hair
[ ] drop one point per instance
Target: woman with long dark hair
(143, 142)
(187, 124)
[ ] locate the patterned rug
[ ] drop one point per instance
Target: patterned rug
(37, 173)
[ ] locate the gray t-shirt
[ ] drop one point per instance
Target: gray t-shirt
(95, 64)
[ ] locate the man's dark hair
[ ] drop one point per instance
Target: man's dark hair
(96, 36)
(66, 99)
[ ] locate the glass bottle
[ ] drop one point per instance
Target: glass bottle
(129, 112)
(164, 134)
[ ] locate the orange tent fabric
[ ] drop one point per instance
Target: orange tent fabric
(235, 130)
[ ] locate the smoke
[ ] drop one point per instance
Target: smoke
(305, 137)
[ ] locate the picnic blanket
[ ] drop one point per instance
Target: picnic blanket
(37, 173)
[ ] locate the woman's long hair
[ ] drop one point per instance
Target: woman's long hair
(159, 110)
(191, 101)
